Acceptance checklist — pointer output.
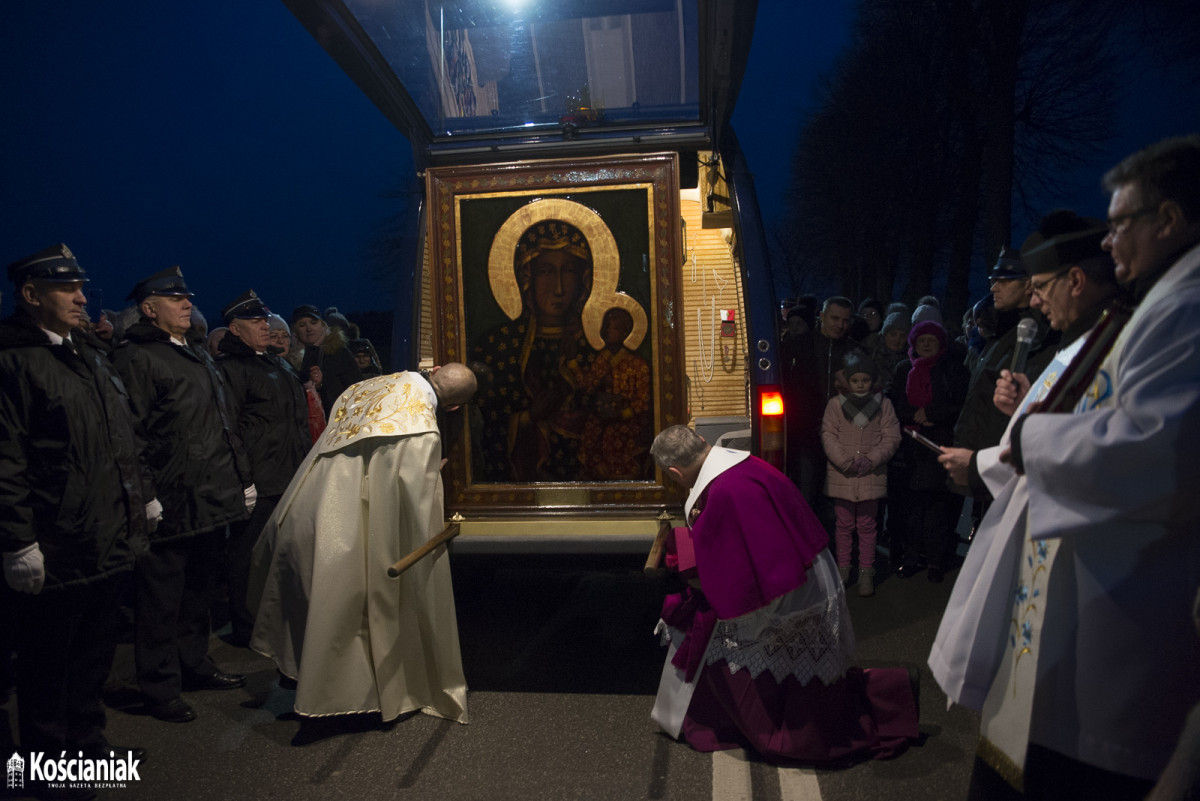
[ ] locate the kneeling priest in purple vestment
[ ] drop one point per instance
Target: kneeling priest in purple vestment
(760, 639)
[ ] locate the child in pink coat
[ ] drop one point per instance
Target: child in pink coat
(860, 434)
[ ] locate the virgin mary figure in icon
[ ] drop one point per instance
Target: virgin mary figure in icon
(533, 408)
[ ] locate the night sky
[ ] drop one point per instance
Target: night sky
(215, 135)
(220, 137)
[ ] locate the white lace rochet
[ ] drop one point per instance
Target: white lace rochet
(806, 633)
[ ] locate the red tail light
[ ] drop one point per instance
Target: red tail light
(772, 404)
(772, 427)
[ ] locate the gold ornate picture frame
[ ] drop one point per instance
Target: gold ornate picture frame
(558, 282)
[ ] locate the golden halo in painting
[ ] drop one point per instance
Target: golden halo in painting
(593, 317)
(606, 265)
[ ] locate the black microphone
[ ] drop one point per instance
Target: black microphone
(1026, 331)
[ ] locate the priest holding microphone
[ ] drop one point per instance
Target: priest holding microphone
(1083, 655)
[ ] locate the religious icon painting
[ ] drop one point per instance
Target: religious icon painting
(557, 282)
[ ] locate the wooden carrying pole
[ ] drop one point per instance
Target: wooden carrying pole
(448, 533)
(655, 557)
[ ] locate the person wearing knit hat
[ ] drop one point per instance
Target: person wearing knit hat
(338, 320)
(927, 312)
(860, 434)
(897, 321)
(892, 346)
(280, 336)
(799, 318)
(927, 391)
(799, 322)
(365, 356)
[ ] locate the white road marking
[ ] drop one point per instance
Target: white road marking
(798, 784)
(731, 779)
(731, 776)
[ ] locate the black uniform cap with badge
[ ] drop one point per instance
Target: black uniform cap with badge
(247, 306)
(1007, 267)
(168, 282)
(55, 264)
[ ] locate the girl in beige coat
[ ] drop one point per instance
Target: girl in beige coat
(860, 433)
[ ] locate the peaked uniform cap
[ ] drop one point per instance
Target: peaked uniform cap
(248, 306)
(55, 263)
(164, 282)
(1008, 266)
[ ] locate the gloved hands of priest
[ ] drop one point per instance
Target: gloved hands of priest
(154, 512)
(25, 570)
(251, 493)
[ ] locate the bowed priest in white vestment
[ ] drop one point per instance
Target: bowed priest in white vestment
(370, 492)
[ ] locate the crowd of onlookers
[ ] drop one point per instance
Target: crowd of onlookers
(856, 377)
(110, 326)
(142, 455)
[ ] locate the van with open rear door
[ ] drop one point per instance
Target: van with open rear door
(590, 244)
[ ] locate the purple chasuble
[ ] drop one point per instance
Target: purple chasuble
(755, 537)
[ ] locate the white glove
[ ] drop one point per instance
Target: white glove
(153, 515)
(25, 570)
(251, 494)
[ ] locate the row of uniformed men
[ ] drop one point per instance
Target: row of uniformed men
(131, 465)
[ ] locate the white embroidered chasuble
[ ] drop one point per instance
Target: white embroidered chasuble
(368, 494)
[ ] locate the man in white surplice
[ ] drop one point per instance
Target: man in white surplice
(1114, 488)
(1073, 282)
(369, 493)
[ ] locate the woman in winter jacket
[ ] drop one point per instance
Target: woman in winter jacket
(328, 362)
(860, 435)
(928, 390)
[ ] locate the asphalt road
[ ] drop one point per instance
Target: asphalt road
(562, 666)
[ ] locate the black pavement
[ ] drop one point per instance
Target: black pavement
(562, 667)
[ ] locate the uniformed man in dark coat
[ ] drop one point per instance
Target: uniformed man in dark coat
(203, 481)
(980, 424)
(270, 414)
(74, 505)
